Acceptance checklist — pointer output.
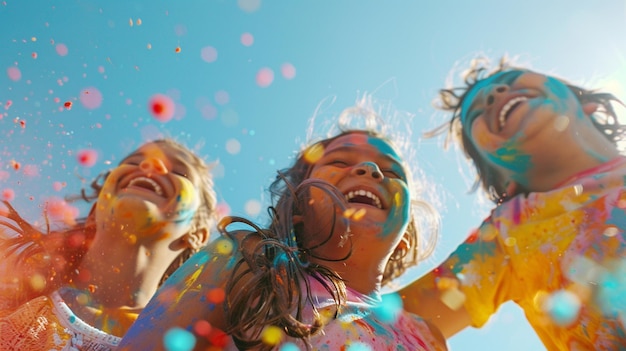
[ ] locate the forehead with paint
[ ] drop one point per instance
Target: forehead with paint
(470, 106)
(366, 144)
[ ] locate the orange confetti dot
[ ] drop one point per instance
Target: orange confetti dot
(16, 165)
(216, 295)
(177, 50)
(202, 328)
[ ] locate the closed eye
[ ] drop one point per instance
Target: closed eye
(392, 174)
(338, 163)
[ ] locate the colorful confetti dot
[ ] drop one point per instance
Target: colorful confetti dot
(288, 71)
(8, 194)
(61, 49)
(271, 335)
(247, 39)
(233, 146)
(68, 105)
(178, 339)
(91, 98)
(252, 207)
(202, 328)
(87, 157)
(208, 54)
(14, 73)
(289, 347)
(162, 107)
(563, 307)
(389, 308)
(216, 295)
(264, 77)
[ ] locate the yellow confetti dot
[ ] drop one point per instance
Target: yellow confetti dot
(453, 298)
(224, 247)
(82, 299)
(447, 283)
(348, 212)
(131, 239)
(359, 214)
(611, 231)
(33, 39)
(314, 153)
(510, 241)
(271, 335)
(38, 282)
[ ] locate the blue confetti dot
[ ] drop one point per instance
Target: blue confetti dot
(357, 346)
(72, 319)
(289, 347)
(389, 308)
(178, 339)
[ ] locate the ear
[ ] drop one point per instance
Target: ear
(196, 239)
(590, 107)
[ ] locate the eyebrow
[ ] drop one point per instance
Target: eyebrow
(352, 147)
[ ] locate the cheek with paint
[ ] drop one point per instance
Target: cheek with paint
(398, 219)
(187, 202)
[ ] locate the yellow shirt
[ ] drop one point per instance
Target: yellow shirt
(46, 323)
(560, 255)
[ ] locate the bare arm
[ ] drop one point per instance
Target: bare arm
(441, 307)
(183, 300)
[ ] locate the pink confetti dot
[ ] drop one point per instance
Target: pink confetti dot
(57, 186)
(91, 98)
(61, 49)
(87, 157)
(247, 39)
(208, 54)
(162, 107)
(8, 194)
(288, 70)
(264, 77)
(14, 73)
(34, 55)
(222, 97)
(58, 209)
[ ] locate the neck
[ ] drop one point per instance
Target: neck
(365, 276)
(121, 275)
(586, 149)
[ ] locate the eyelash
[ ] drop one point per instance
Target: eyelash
(387, 172)
(177, 172)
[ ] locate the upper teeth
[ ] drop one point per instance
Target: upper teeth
(157, 187)
(507, 107)
(369, 194)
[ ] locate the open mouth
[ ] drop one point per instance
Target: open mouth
(363, 197)
(508, 108)
(146, 183)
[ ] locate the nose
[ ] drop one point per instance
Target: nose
(368, 169)
(153, 164)
(495, 91)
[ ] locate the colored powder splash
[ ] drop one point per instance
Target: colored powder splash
(264, 77)
(162, 107)
(87, 157)
(389, 309)
(178, 339)
(58, 209)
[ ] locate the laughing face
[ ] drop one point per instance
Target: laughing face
(369, 173)
(151, 193)
(511, 117)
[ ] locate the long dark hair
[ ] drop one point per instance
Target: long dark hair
(276, 261)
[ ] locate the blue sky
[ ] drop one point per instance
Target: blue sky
(400, 51)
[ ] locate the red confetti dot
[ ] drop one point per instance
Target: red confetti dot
(23, 123)
(16, 165)
(216, 295)
(68, 105)
(34, 55)
(87, 157)
(8, 194)
(202, 328)
(162, 107)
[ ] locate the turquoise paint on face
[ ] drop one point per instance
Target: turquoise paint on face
(510, 157)
(472, 95)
